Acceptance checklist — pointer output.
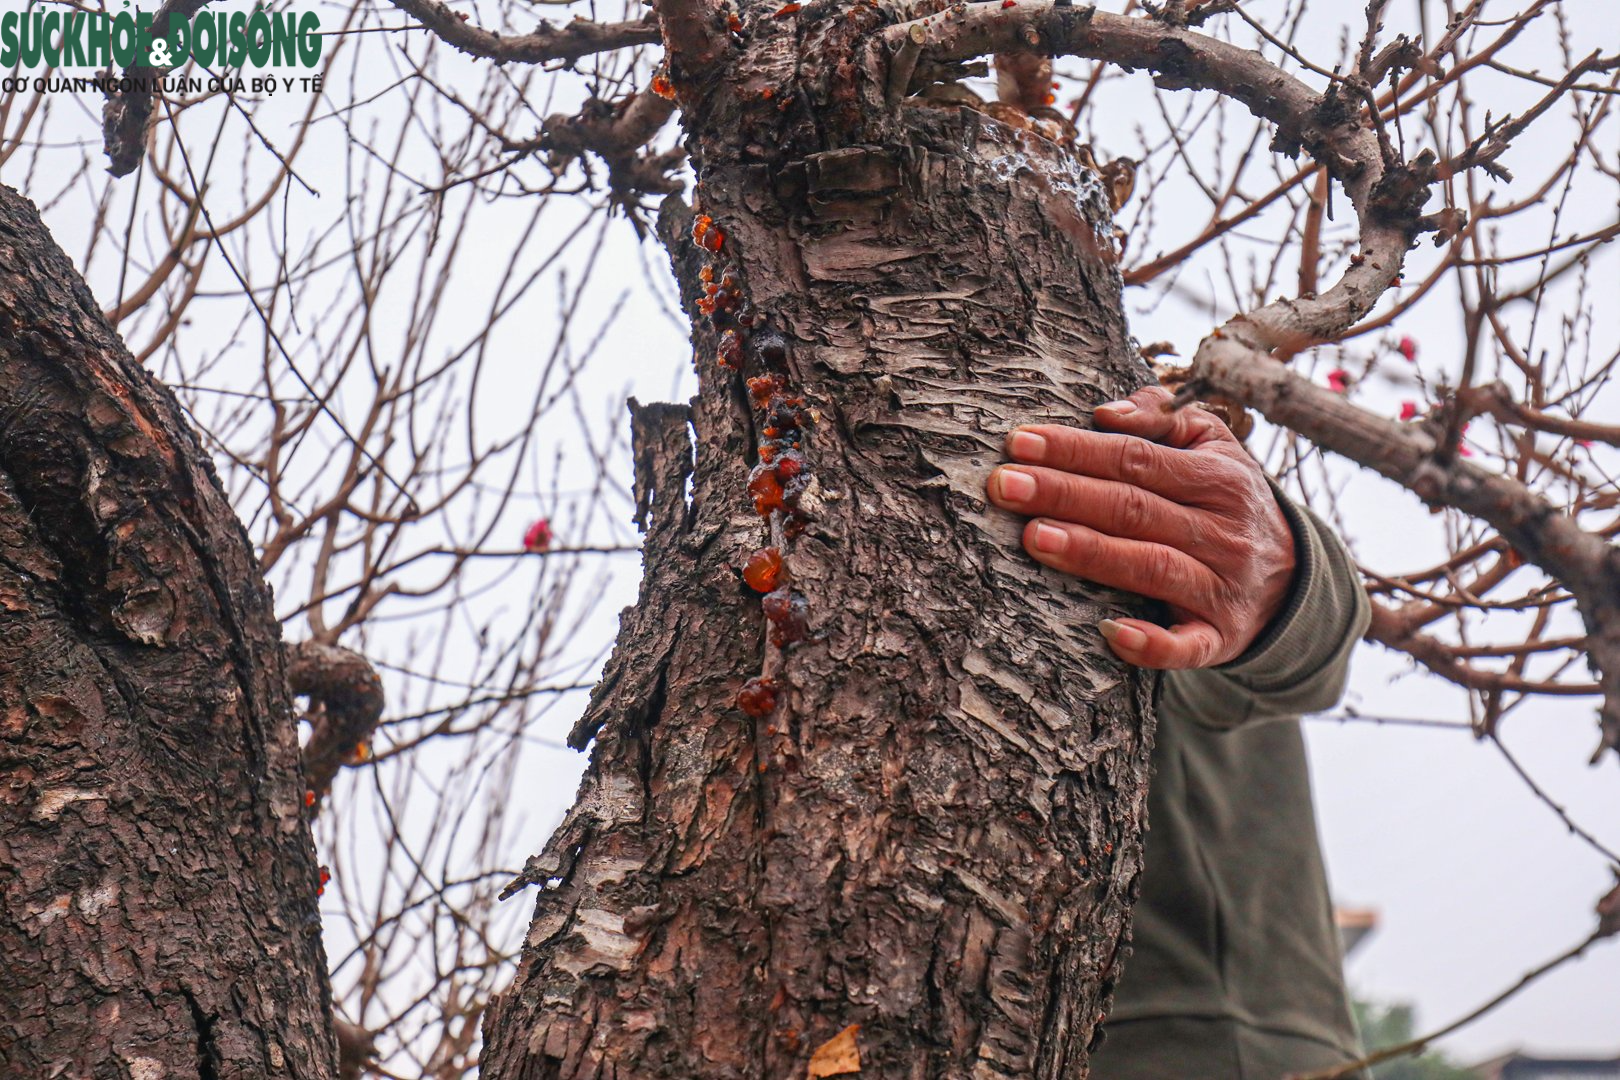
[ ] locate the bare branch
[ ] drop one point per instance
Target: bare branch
(1497, 400)
(546, 43)
(1418, 1045)
(1387, 629)
(1483, 151)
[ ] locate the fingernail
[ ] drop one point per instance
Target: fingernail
(1125, 637)
(1015, 486)
(1050, 538)
(1027, 445)
(1120, 408)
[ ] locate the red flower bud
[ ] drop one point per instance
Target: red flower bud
(537, 537)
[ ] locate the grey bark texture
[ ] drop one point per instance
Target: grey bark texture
(157, 880)
(933, 836)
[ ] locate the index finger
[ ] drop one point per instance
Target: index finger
(1179, 475)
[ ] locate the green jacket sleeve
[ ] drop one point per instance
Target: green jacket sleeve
(1298, 665)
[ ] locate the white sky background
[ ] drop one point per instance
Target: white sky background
(1476, 881)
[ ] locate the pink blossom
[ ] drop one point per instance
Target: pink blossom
(1408, 349)
(1409, 410)
(1338, 380)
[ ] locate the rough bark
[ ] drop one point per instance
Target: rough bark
(934, 834)
(157, 882)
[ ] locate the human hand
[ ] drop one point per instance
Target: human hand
(1164, 503)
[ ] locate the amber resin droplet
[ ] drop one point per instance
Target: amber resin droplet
(789, 465)
(764, 387)
(765, 488)
(763, 569)
(731, 353)
(757, 697)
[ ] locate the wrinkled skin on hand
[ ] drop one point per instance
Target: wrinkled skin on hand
(1165, 503)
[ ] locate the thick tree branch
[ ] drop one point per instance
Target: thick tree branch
(1322, 124)
(571, 41)
(1586, 565)
(616, 132)
(152, 767)
(346, 700)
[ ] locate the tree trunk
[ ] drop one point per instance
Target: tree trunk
(157, 880)
(930, 831)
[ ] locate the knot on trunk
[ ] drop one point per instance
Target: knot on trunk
(346, 701)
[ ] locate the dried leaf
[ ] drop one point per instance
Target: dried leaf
(838, 1056)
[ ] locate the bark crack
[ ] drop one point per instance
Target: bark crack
(208, 1057)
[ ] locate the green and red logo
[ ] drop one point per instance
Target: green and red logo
(215, 40)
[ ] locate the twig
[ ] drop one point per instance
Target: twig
(1417, 1045)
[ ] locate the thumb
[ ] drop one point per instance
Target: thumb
(1183, 646)
(1148, 414)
